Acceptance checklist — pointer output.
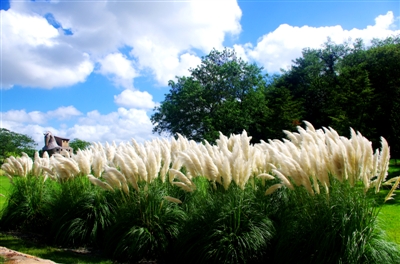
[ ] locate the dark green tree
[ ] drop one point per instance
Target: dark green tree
(13, 144)
(77, 143)
(223, 94)
(345, 86)
(383, 67)
(313, 79)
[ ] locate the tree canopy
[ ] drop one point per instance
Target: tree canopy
(13, 144)
(345, 86)
(77, 144)
(338, 85)
(223, 94)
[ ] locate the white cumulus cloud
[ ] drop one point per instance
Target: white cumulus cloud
(33, 54)
(277, 49)
(121, 125)
(135, 99)
(119, 68)
(161, 35)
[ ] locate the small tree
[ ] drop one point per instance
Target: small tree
(223, 94)
(77, 143)
(13, 144)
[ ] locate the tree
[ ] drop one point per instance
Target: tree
(347, 86)
(383, 67)
(77, 143)
(13, 144)
(223, 94)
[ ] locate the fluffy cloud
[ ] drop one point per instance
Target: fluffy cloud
(135, 99)
(33, 55)
(118, 126)
(63, 113)
(119, 68)
(37, 117)
(122, 125)
(161, 34)
(277, 49)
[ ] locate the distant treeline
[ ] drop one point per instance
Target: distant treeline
(339, 85)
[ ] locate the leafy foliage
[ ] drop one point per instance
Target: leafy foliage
(13, 144)
(223, 94)
(77, 144)
(343, 85)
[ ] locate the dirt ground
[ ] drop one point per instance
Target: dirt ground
(11, 257)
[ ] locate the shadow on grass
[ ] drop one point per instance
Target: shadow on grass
(57, 255)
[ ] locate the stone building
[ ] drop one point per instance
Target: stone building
(53, 144)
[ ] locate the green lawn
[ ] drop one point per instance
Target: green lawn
(55, 254)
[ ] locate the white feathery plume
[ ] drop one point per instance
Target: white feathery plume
(110, 152)
(127, 167)
(292, 137)
(45, 159)
(100, 183)
(226, 173)
(83, 162)
(99, 161)
(68, 163)
(174, 146)
(283, 179)
(183, 186)
(172, 199)
(36, 170)
(65, 153)
(209, 149)
(211, 169)
(245, 144)
(177, 163)
(236, 167)
(383, 166)
(48, 172)
(183, 142)
(113, 177)
(309, 126)
(181, 177)
(351, 160)
(8, 169)
(185, 161)
(166, 160)
(17, 166)
(151, 165)
(245, 173)
(26, 163)
(273, 188)
(141, 169)
(390, 195)
(265, 176)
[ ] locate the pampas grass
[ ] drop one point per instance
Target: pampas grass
(219, 202)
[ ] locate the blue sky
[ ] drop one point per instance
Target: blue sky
(94, 70)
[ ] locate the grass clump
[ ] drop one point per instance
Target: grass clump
(339, 227)
(227, 227)
(81, 213)
(145, 226)
(28, 206)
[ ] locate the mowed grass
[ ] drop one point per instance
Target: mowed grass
(55, 254)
